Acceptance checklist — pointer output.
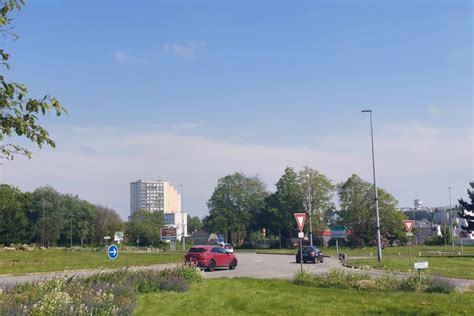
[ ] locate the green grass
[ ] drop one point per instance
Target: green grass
(454, 267)
(275, 297)
(367, 251)
(21, 262)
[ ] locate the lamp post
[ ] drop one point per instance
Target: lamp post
(182, 217)
(451, 227)
(310, 208)
(376, 200)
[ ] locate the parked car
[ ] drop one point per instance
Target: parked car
(310, 253)
(211, 257)
(227, 247)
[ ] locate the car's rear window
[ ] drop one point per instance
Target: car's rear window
(197, 250)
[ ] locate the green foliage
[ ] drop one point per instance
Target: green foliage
(440, 285)
(101, 294)
(19, 113)
(48, 217)
(233, 205)
(13, 220)
(356, 198)
(296, 192)
(145, 226)
(444, 239)
(194, 223)
(106, 223)
(361, 281)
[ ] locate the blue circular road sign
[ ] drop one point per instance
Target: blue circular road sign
(112, 252)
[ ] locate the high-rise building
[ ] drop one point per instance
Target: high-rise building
(154, 196)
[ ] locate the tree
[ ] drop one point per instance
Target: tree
(233, 205)
(145, 226)
(18, 112)
(48, 215)
(467, 214)
(358, 212)
(79, 220)
(106, 223)
(317, 194)
(194, 223)
(277, 216)
(13, 220)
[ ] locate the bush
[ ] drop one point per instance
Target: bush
(361, 281)
(101, 294)
(440, 285)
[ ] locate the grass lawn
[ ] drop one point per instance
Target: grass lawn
(21, 262)
(276, 297)
(454, 267)
(366, 251)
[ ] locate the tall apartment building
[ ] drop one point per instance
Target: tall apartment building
(154, 196)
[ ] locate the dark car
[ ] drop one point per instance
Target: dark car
(211, 257)
(311, 254)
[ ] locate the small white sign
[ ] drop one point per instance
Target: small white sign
(409, 234)
(300, 235)
(421, 265)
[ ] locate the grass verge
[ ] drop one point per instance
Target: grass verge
(453, 267)
(276, 297)
(49, 260)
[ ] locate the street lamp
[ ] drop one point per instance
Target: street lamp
(310, 208)
(182, 217)
(376, 200)
(451, 227)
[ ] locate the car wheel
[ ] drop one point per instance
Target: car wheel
(321, 260)
(211, 266)
(233, 264)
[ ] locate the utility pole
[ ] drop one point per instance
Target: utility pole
(376, 199)
(71, 227)
(310, 208)
(42, 204)
(451, 227)
(182, 217)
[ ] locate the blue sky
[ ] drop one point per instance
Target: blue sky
(192, 91)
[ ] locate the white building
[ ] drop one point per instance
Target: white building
(154, 196)
(179, 221)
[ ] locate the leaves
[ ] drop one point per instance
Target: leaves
(19, 114)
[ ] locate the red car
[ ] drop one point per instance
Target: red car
(211, 257)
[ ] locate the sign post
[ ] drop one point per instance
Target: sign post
(408, 227)
(338, 231)
(112, 252)
(420, 266)
(300, 218)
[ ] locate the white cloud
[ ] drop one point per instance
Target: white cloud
(98, 163)
(122, 57)
(186, 51)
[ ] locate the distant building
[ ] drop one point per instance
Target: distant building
(418, 203)
(154, 196)
(178, 220)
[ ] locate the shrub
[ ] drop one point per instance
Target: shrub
(361, 281)
(440, 285)
(101, 294)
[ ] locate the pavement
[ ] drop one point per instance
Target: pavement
(252, 265)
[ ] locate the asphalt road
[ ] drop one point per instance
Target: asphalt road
(266, 266)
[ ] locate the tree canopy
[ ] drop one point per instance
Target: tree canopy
(19, 113)
(356, 199)
(233, 204)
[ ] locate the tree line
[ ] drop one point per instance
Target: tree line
(241, 207)
(48, 218)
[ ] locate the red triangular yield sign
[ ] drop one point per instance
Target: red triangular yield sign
(300, 217)
(408, 225)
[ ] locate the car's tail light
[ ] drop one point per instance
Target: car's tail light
(312, 253)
